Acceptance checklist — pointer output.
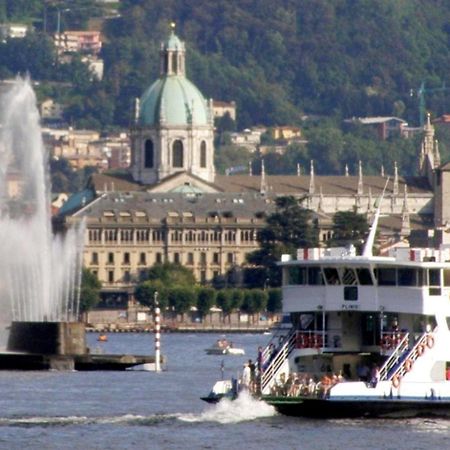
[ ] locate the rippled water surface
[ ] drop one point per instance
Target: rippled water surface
(128, 410)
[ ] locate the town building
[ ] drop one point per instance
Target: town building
(87, 42)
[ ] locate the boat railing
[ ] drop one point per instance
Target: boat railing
(273, 358)
(405, 363)
(403, 357)
(399, 350)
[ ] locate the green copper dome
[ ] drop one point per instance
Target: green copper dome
(173, 100)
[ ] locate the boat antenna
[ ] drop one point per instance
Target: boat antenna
(368, 248)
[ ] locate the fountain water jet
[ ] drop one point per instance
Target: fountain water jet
(39, 272)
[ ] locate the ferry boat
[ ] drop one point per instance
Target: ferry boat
(369, 337)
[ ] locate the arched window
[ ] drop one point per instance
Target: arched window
(148, 157)
(174, 63)
(177, 154)
(203, 154)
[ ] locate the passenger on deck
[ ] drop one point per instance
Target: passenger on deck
(363, 372)
(246, 377)
(374, 376)
(325, 385)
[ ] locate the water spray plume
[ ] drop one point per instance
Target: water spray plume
(39, 272)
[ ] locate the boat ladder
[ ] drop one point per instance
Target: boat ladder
(276, 360)
(402, 358)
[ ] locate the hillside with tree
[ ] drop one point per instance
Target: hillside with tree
(295, 62)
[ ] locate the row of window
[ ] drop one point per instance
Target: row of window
(125, 276)
(382, 276)
(143, 235)
(177, 155)
(177, 258)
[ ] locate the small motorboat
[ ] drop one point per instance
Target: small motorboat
(102, 338)
(222, 389)
(224, 347)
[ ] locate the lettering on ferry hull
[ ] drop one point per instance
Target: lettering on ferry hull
(349, 307)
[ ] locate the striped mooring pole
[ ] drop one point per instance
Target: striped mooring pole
(157, 334)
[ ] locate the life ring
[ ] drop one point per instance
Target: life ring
(408, 365)
(430, 341)
(396, 381)
(420, 350)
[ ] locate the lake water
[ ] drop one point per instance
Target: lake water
(129, 410)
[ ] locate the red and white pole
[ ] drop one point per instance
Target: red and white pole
(157, 334)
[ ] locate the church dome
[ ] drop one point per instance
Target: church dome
(173, 100)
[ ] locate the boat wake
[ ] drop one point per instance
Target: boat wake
(60, 421)
(244, 408)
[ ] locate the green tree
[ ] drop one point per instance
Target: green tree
(255, 301)
(171, 274)
(290, 227)
(205, 300)
(349, 228)
(224, 301)
(145, 294)
(89, 290)
(181, 299)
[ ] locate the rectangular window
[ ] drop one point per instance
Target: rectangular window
(386, 277)
(349, 277)
(126, 276)
(296, 275)
(110, 258)
(406, 277)
(176, 258)
(142, 258)
(434, 280)
(110, 276)
(202, 258)
(315, 276)
(190, 258)
(331, 275)
(364, 277)
(158, 258)
(446, 277)
(203, 276)
(230, 258)
(351, 293)
(94, 258)
(126, 258)
(215, 258)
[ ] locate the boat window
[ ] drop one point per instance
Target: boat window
(421, 278)
(349, 277)
(434, 280)
(351, 293)
(407, 277)
(446, 277)
(364, 277)
(296, 275)
(385, 276)
(331, 275)
(315, 276)
(434, 277)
